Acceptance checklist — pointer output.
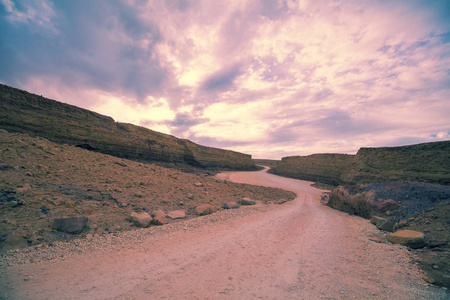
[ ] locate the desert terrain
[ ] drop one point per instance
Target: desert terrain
(297, 250)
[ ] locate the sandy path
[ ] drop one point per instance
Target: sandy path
(298, 250)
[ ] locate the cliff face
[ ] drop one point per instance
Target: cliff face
(326, 168)
(429, 162)
(23, 112)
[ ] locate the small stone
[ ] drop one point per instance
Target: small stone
(23, 189)
(142, 219)
(230, 205)
(204, 209)
(385, 225)
(70, 224)
(4, 166)
(159, 217)
(198, 184)
(69, 203)
(176, 214)
(247, 201)
(375, 219)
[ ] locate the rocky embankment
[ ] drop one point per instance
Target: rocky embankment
(419, 210)
(24, 112)
(51, 192)
(428, 162)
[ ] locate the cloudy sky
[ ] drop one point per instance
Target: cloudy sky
(271, 78)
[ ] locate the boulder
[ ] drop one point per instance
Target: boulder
(176, 214)
(159, 217)
(142, 219)
(204, 209)
(385, 225)
(72, 225)
(230, 205)
(410, 238)
(247, 201)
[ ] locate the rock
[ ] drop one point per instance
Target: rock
(142, 219)
(23, 189)
(401, 224)
(198, 184)
(69, 203)
(230, 205)
(190, 196)
(204, 209)
(247, 201)
(410, 238)
(385, 225)
(176, 214)
(70, 224)
(4, 166)
(375, 219)
(159, 217)
(384, 205)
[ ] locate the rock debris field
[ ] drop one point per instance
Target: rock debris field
(41, 181)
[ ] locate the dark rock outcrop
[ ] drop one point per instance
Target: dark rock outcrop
(24, 112)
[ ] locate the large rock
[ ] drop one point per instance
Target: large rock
(410, 238)
(72, 225)
(247, 201)
(204, 209)
(159, 217)
(385, 225)
(141, 219)
(176, 214)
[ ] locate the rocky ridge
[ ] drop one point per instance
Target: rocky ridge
(428, 162)
(24, 112)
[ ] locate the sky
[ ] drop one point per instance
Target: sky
(270, 78)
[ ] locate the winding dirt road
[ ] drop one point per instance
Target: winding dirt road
(298, 250)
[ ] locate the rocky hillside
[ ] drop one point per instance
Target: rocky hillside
(43, 184)
(428, 162)
(24, 112)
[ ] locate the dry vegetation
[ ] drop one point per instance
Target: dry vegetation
(357, 204)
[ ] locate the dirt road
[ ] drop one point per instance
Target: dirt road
(298, 250)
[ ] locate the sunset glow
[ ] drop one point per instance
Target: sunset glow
(267, 78)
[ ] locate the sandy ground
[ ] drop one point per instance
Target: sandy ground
(298, 250)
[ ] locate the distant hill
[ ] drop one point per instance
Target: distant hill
(428, 162)
(24, 112)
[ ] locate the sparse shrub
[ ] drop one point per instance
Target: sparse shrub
(357, 204)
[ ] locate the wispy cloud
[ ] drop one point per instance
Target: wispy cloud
(269, 78)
